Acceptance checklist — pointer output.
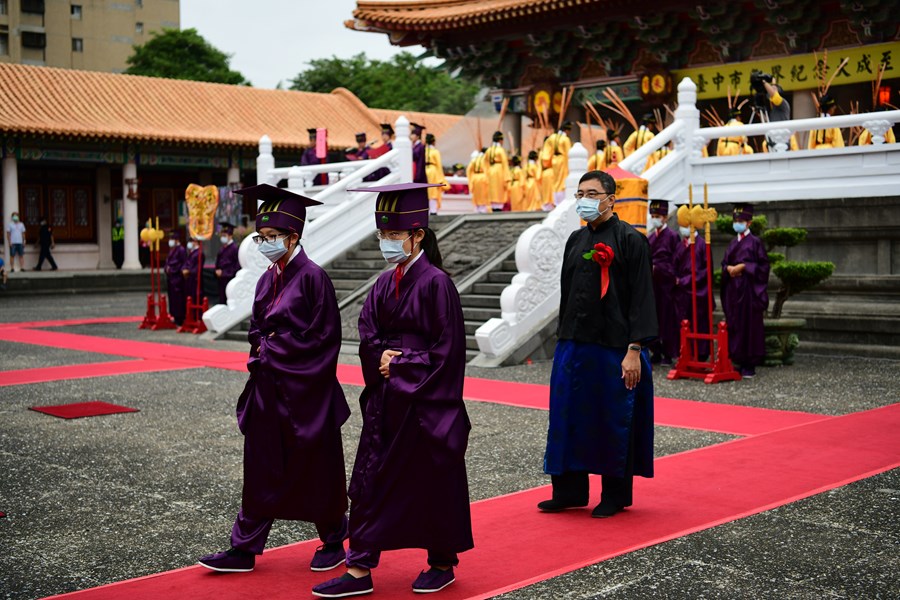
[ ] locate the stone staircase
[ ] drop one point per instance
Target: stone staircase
(482, 302)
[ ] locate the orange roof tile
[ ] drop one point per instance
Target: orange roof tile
(93, 105)
(451, 14)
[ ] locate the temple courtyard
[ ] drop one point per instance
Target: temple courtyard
(782, 486)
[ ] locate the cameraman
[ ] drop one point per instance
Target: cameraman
(771, 104)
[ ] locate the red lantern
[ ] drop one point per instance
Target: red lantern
(884, 95)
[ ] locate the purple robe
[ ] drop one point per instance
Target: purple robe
(663, 245)
(175, 282)
(745, 300)
(684, 306)
(383, 171)
(292, 407)
(409, 486)
(418, 154)
(194, 265)
(227, 260)
(309, 158)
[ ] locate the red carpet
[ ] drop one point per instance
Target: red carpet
(70, 322)
(85, 371)
(76, 410)
(517, 546)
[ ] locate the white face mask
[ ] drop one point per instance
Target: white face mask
(656, 222)
(190, 245)
(274, 250)
(171, 243)
(393, 251)
(223, 239)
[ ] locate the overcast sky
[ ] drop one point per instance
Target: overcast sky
(272, 40)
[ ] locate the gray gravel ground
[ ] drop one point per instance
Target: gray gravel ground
(91, 501)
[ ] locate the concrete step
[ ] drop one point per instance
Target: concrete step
(480, 314)
(359, 275)
(371, 264)
(480, 301)
(510, 266)
(75, 282)
(346, 284)
(472, 326)
(500, 277)
(236, 335)
(492, 289)
(364, 254)
(471, 344)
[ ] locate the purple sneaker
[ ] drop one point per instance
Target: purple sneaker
(344, 586)
(230, 561)
(328, 556)
(433, 580)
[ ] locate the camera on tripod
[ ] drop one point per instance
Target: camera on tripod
(761, 97)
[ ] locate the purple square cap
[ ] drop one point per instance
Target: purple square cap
(281, 208)
(400, 206)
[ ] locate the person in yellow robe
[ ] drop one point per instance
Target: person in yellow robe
(546, 168)
(820, 139)
(561, 162)
(657, 156)
(532, 182)
(735, 144)
(517, 185)
(497, 163)
(641, 136)
(865, 138)
(478, 183)
(434, 172)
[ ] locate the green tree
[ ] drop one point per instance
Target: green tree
(402, 83)
(182, 54)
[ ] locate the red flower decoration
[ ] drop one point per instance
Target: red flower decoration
(603, 255)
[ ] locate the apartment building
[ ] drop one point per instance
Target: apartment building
(91, 35)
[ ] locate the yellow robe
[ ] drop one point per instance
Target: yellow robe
(608, 158)
(561, 162)
(547, 177)
(655, 157)
(819, 139)
(733, 145)
(497, 164)
(793, 145)
(434, 172)
(517, 189)
(865, 138)
(637, 139)
(478, 182)
(532, 187)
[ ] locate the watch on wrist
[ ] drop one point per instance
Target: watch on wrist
(634, 347)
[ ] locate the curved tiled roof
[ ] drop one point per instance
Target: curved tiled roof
(92, 105)
(451, 14)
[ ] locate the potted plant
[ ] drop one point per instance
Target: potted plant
(782, 336)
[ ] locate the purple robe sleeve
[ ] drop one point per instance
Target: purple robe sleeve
(419, 175)
(227, 260)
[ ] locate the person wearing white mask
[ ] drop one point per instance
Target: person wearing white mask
(292, 407)
(174, 278)
(227, 264)
(663, 246)
(192, 270)
(601, 386)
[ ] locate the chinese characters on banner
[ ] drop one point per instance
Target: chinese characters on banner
(799, 72)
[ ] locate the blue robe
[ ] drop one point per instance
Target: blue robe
(292, 408)
(409, 486)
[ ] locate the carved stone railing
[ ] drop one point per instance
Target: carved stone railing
(341, 223)
(533, 295)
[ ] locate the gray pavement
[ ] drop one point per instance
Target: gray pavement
(91, 501)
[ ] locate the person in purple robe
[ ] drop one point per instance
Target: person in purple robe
(684, 288)
(227, 264)
(418, 153)
(409, 486)
(309, 158)
(174, 278)
(192, 270)
(745, 296)
(361, 152)
(663, 245)
(601, 386)
(387, 134)
(292, 407)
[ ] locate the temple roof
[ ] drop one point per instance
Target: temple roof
(106, 106)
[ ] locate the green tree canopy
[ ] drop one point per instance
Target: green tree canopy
(402, 83)
(182, 54)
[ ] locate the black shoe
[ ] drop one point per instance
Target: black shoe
(604, 510)
(552, 506)
(35, 269)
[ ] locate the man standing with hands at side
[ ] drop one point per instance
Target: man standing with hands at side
(601, 387)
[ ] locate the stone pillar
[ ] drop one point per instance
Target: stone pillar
(10, 200)
(265, 161)
(104, 213)
(403, 145)
(130, 220)
(689, 116)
